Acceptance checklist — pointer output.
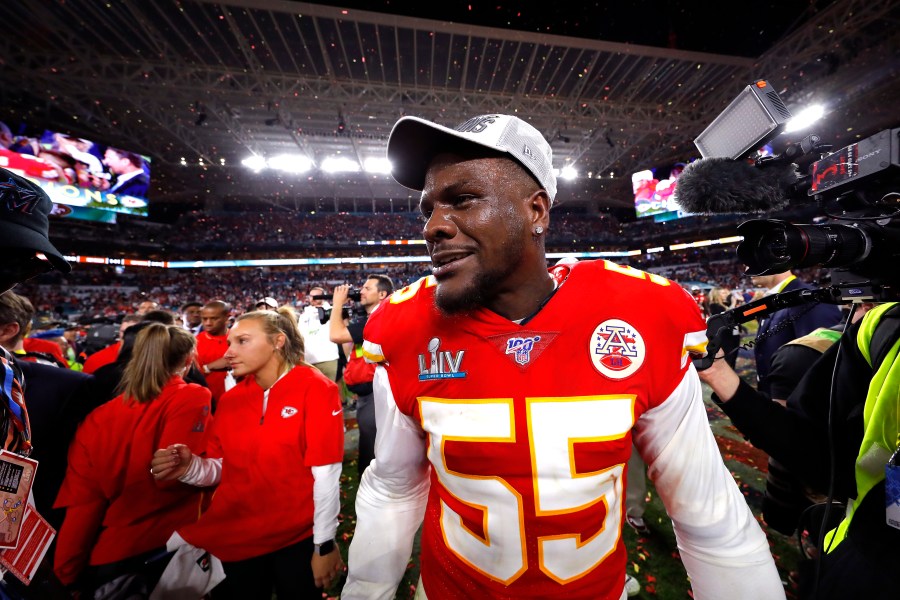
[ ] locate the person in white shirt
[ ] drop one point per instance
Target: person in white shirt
(321, 352)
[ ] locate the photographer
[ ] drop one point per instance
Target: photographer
(358, 374)
(830, 414)
(321, 352)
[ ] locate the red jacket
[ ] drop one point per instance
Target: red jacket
(46, 347)
(115, 509)
(209, 349)
(101, 358)
(264, 501)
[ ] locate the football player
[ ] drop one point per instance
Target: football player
(507, 399)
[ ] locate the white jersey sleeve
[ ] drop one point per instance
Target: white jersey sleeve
(723, 548)
(390, 504)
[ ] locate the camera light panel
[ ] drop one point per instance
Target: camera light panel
(754, 117)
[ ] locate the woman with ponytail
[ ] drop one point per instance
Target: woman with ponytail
(117, 515)
(275, 452)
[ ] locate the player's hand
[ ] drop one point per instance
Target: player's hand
(326, 569)
(171, 462)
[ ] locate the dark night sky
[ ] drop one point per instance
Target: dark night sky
(745, 29)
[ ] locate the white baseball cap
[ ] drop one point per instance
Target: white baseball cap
(414, 143)
(269, 301)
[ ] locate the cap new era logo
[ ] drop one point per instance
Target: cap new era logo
(414, 143)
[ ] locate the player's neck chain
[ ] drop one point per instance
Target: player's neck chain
(543, 303)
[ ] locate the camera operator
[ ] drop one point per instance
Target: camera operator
(837, 432)
(787, 324)
(321, 352)
(358, 374)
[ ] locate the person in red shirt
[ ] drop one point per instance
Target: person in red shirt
(212, 343)
(275, 451)
(42, 346)
(108, 355)
(117, 515)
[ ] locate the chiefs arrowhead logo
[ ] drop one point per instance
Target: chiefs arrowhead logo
(616, 348)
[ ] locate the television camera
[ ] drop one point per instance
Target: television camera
(855, 189)
(351, 294)
(347, 312)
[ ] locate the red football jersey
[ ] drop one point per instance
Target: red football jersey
(528, 428)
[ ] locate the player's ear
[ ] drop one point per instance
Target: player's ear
(8, 331)
(539, 205)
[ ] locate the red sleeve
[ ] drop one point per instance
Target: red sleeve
(101, 358)
(187, 419)
(85, 508)
(213, 444)
(679, 333)
(665, 320)
(386, 326)
(76, 536)
(324, 423)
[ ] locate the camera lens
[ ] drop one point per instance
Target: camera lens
(772, 246)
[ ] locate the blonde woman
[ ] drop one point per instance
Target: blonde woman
(275, 452)
(720, 300)
(117, 515)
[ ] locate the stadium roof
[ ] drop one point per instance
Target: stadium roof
(197, 80)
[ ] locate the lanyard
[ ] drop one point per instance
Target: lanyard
(14, 399)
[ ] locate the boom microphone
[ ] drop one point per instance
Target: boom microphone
(723, 186)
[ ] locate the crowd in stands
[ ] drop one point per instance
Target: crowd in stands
(91, 293)
(281, 233)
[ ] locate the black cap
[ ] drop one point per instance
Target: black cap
(24, 223)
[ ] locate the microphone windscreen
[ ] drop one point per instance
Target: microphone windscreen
(722, 186)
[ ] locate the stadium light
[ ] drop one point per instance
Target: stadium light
(291, 163)
(255, 163)
(568, 173)
(339, 164)
(381, 166)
